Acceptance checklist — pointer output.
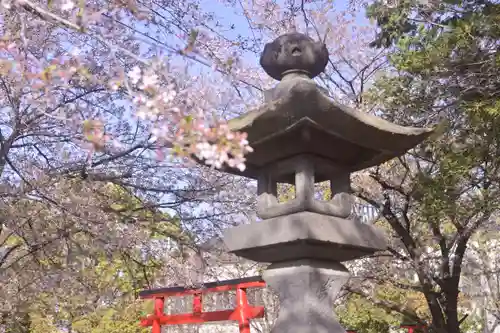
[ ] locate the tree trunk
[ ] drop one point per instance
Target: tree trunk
(453, 324)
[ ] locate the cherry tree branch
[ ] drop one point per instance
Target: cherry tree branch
(47, 15)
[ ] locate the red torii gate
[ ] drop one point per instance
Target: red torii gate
(242, 313)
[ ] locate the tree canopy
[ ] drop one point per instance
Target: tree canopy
(445, 193)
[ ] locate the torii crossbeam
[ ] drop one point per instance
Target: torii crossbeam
(242, 312)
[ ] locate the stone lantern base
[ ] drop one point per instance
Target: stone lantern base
(306, 289)
(305, 251)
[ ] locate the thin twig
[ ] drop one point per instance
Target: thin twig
(47, 15)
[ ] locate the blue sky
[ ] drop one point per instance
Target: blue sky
(232, 15)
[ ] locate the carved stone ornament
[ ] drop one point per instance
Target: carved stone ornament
(294, 53)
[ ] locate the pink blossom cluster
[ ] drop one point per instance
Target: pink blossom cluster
(179, 121)
(219, 145)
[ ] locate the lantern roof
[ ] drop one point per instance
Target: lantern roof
(299, 118)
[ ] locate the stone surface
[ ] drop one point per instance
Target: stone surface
(304, 235)
(306, 289)
(303, 168)
(294, 52)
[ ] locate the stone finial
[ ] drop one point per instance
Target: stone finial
(294, 52)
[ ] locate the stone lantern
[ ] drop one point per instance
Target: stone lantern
(301, 136)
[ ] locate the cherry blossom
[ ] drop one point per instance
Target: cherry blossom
(135, 75)
(67, 5)
(149, 81)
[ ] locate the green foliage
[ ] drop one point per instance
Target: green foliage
(123, 318)
(444, 41)
(361, 315)
(131, 209)
(395, 21)
(286, 192)
(42, 324)
(446, 65)
(89, 274)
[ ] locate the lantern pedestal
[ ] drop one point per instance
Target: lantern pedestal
(305, 251)
(306, 289)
